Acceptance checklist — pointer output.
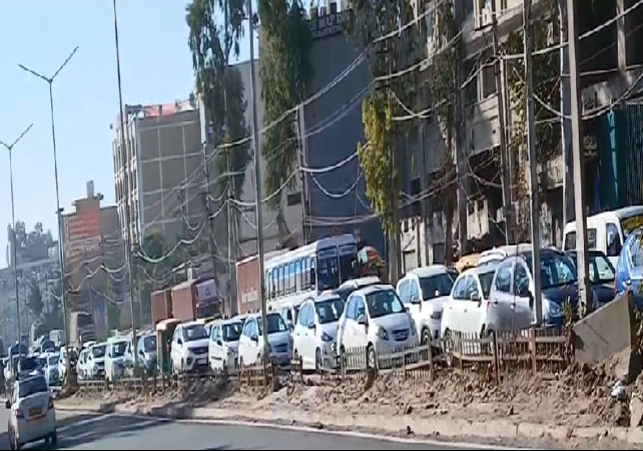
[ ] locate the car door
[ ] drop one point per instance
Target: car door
(301, 332)
(635, 263)
(214, 347)
(500, 311)
(414, 300)
(472, 305)
(175, 352)
(309, 337)
(523, 300)
(359, 337)
(456, 319)
(343, 321)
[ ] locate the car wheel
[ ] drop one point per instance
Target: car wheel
(53, 439)
(318, 360)
(447, 347)
(371, 358)
(16, 443)
(12, 443)
(425, 341)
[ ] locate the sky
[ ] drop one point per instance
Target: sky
(156, 67)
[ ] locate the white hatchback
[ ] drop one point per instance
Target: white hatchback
(251, 342)
(224, 345)
(375, 318)
(32, 414)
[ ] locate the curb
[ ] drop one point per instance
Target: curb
(428, 427)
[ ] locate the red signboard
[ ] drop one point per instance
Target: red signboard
(82, 233)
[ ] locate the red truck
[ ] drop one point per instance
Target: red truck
(194, 299)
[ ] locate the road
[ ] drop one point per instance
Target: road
(89, 431)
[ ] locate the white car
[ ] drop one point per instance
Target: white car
(32, 414)
(96, 361)
(375, 319)
(224, 345)
(470, 307)
(81, 365)
(316, 329)
(51, 369)
(251, 344)
(424, 291)
(116, 361)
(189, 351)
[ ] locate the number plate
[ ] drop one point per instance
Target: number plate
(35, 411)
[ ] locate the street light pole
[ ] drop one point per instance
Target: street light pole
(50, 82)
(10, 147)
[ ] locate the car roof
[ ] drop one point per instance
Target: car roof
(374, 289)
(478, 270)
(30, 377)
(428, 271)
(360, 282)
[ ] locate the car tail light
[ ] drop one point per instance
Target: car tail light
(51, 403)
(19, 413)
(488, 304)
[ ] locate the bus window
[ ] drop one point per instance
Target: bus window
(269, 283)
(312, 282)
(291, 277)
(298, 284)
(273, 283)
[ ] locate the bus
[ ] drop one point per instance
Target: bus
(295, 275)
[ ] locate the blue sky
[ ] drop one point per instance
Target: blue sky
(155, 67)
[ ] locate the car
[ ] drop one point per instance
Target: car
(32, 414)
(346, 288)
(189, 349)
(316, 330)
(251, 344)
(601, 274)
(30, 366)
(51, 369)
(95, 365)
(375, 319)
(115, 358)
(424, 291)
(629, 269)
(224, 345)
(146, 350)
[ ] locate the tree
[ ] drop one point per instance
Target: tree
(286, 73)
(379, 156)
(34, 300)
(54, 316)
(30, 246)
(220, 86)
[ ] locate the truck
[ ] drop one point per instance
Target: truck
(248, 281)
(161, 305)
(194, 299)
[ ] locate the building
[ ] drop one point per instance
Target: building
(606, 74)
(94, 259)
(164, 168)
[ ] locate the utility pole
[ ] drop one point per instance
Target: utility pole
(184, 231)
(565, 124)
(258, 191)
(533, 163)
(303, 161)
(504, 151)
(125, 163)
(579, 161)
(206, 201)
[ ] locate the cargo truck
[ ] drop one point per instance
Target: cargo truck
(195, 299)
(161, 305)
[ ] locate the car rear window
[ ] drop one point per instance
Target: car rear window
(31, 386)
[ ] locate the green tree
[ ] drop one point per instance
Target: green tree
(219, 85)
(34, 300)
(379, 157)
(286, 73)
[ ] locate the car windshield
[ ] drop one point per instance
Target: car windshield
(32, 386)
(436, 286)
(232, 331)
(382, 303)
(149, 343)
(98, 352)
(53, 360)
(555, 269)
(117, 349)
(275, 324)
(194, 332)
(29, 364)
(485, 282)
(329, 311)
(42, 361)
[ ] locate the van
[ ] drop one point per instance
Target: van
(606, 231)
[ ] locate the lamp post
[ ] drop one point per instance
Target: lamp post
(50, 82)
(10, 147)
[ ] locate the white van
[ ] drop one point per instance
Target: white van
(606, 231)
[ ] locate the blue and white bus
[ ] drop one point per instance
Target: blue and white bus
(295, 275)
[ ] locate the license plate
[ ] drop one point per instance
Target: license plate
(35, 411)
(201, 360)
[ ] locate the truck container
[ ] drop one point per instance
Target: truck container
(184, 301)
(161, 305)
(248, 291)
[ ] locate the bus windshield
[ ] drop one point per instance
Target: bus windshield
(347, 262)
(327, 269)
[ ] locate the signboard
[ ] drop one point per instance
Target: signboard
(249, 296)
(206, 291)
(329, 24)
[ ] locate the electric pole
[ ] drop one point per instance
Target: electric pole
(504, 151)
(578, 161)
(533, 163)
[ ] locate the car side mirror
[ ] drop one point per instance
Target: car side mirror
(362, 320)
(255, 338)
(475, 296)
(7, 404)
(290, 324)
(179, 342)
(415, 300)
(524, 292)
(219, 342)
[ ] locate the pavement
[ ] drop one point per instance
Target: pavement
(117, 431)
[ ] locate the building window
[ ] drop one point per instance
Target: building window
(488, 75)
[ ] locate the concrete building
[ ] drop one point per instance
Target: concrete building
(94, 259)
(609, 63)
(164, 167)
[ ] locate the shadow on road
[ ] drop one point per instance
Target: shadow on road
(82, 429)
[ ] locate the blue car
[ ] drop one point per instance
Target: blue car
(629, 269)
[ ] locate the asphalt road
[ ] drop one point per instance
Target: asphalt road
(85, 431)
